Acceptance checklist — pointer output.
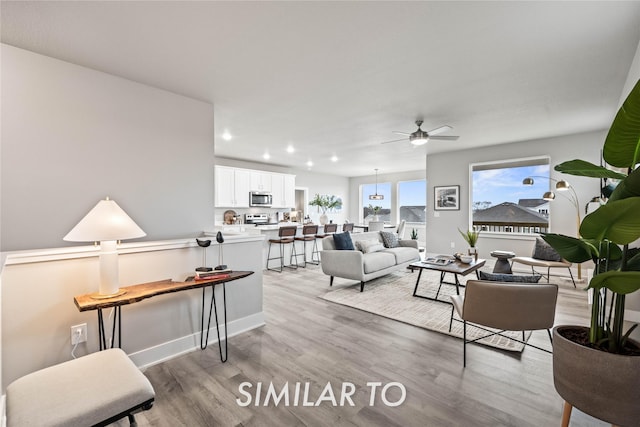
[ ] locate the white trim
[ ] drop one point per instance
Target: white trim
(174, 348)
(632, 316)
(73, 252)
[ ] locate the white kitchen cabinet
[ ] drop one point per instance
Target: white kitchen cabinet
(261, 181)
(283, 190)
(232, 187)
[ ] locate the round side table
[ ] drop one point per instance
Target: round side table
(502, 264)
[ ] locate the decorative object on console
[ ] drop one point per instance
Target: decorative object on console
(106, 223)
(447, 198)
(204, 244)
(376, 196)
(220, 240)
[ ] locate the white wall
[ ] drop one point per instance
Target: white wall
(452, 168)
(72, 136)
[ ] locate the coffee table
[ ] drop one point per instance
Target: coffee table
(444, 264)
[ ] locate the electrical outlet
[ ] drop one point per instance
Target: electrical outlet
(453, 244)
(78, 333)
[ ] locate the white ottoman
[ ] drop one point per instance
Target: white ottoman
(96, 389)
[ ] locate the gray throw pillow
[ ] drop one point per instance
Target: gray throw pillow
(544, 251)
(498, 277)
(343, 241)
(390, 240)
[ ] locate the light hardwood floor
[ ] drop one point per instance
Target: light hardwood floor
(308, 339)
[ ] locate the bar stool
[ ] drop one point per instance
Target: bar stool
(286, 236)
(308, 235)
(329, 229)
(347, 226)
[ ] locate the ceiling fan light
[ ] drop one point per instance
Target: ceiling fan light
(418, 140)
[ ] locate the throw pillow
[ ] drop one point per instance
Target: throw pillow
(544, 251)
(496, 277)
(365, 246)
(389, 239)
(343, 241)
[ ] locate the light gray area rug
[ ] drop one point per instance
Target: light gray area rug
(391, 296)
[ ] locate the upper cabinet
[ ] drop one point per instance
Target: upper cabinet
(233, 185)
(283, 190)
(261, 181)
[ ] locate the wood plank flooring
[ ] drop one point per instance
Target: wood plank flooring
(308, 339)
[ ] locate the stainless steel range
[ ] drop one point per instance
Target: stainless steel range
(257, 219)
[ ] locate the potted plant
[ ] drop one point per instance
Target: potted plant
(375, 210)
(597, 369)
(471, 237)
(414, 234)
(324, 203)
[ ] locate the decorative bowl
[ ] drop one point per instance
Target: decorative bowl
(466, 259)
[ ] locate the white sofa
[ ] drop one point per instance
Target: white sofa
(356, 265)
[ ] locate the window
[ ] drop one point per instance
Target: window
(500, 202)
(412, 201)
(385, 212)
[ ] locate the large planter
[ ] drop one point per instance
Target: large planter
(601, 384)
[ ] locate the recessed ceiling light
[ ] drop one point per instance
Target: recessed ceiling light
(334, 158)
(266, 156)
(226, 136)
(309, 163)
(290, 149)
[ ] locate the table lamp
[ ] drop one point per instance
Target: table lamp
(106, 223)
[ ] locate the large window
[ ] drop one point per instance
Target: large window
(500, 202)
(412, 201)
(384, 213)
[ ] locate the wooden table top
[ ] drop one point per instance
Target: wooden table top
(456, 267)
(135, 293)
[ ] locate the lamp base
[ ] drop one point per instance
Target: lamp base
(98, 295)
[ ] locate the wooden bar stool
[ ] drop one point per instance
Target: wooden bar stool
(286, 236)
(329, 229)
(308, 235)
(347, 226)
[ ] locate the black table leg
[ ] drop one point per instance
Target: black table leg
(102, 336)
(213, 308)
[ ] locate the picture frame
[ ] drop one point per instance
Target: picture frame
(446, 198)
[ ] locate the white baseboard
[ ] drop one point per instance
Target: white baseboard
(170, 349)
(632, 316)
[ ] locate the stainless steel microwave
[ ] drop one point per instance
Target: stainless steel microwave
(259, 198)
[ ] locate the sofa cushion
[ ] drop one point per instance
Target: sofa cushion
(496, 277)
(367, 246)
(376, 261)
(389, 239)
(544, 251)
(343, 241)
(404, 254)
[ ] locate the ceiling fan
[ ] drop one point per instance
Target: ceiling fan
(421, 137)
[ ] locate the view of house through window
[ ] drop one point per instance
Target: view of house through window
(385, 204)
(412, 201)
(501, 203)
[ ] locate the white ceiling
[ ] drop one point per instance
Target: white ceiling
(336, 78)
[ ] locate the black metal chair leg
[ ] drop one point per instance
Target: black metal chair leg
(571, 274)
(451, 320)
(464, 345)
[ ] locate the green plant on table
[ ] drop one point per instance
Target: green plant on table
(375, 209)
(470, 236)
(414, 234)
(606, 233)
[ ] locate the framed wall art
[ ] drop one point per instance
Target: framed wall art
(446, 198)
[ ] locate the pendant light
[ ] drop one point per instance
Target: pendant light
(376, 196)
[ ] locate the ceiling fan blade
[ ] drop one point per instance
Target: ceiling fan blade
(439, 130)
(400, 133)
(444, 137)
(395, 140)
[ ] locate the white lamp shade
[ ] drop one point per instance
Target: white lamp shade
(106, 221)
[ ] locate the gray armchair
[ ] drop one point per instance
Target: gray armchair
(506, 307)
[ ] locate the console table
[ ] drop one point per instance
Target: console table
(137, 293)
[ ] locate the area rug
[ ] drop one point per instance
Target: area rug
(391, 296)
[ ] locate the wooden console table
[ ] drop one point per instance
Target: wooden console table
(137, 293)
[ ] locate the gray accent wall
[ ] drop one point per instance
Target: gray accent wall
(72, 136)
